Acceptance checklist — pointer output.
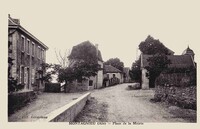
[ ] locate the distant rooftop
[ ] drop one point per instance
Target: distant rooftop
(110, 69)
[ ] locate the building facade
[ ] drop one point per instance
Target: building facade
(28, 54)
(112, 76)
(93, 82)
(186, 60)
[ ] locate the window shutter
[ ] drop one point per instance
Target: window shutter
(20, 74)
(33, 75)
(25, 75)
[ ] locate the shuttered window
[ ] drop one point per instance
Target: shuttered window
(33, 75)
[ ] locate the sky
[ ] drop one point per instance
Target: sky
(117, 26)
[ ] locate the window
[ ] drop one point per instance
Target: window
(22, 43)
(22, 58)
(42, 56)
(38, 52)
(33, 75)
(28, 46)
(90, 83)
(33, 49)
(21, 74)
(36, 49)
(113, 75)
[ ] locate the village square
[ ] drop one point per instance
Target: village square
(160, 86)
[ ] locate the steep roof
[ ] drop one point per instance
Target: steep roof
(88, 43)
(110, 69)
(15, 24)
(188, 51)
(177, 61)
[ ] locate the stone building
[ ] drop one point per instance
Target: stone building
(112, 75)
(28, 53)
(186, 60)
(93, 82)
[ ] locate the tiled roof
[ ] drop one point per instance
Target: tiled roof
(110, 69)
(74, 49)
(177, 61)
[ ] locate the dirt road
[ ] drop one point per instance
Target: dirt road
(125, 105)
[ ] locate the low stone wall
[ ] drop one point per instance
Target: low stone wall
(184, 97)
(19, 99)
(68, 112)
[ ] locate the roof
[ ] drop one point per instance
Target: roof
(88, 43)
(111, 69)
(15, 24)
(188, 51)
(177, 61)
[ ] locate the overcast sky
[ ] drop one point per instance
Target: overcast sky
(118, 26)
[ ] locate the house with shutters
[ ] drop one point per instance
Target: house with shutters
(28, 53)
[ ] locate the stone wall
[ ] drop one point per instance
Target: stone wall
(18, 100)
(184, 97)
(68, 112)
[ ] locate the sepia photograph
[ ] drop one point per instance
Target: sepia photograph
(102, 62)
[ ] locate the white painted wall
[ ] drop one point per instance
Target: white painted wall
(145, 80)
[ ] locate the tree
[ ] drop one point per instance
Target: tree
(83, 63)
(48, 70)
(152, 46)
(135, 72)
(62, 59)
(115, 62)
(157, 64)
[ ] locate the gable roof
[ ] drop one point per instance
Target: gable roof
(15, 24)
(110, 69)
(177, 61)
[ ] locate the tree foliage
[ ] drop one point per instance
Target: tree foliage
(48, 70)
(152, 46)
(157, 64)
(115, 62)
(135, 72)
(83, 63)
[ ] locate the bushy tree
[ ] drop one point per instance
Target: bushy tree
(83, 63)
(157, 64)
(153, 46)
(47, 70)
(115, 62)
(135, 72)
